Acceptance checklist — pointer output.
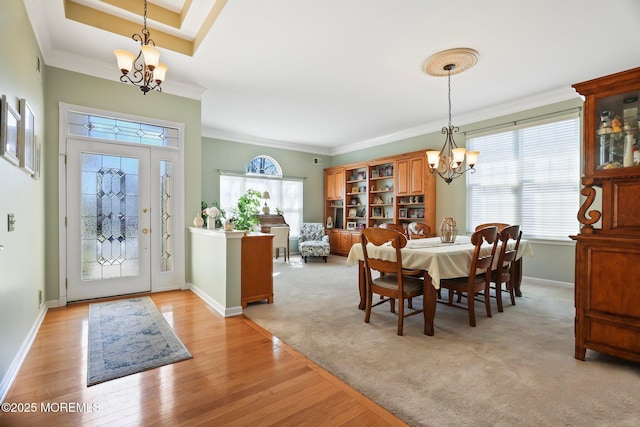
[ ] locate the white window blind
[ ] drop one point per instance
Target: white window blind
(528, 175)
(284, 193)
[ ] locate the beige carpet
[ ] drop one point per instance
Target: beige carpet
(516, 368)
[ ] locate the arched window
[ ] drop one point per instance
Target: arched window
(264, 165)
(264, 174)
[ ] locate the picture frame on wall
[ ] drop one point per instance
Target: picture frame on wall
(26, 138)
(9, 126)
(38, 154)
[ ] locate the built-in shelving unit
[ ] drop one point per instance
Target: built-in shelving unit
(397, 189)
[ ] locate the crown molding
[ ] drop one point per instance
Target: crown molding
(214, 133)
(534, 101)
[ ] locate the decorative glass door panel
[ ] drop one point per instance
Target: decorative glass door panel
(108, 220)
(109, 213)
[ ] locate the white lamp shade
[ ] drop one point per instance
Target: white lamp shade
(458, 155)
(266, 195)
(125, 60)
(151, 56)
(472, 158)
(433, 158)
(160, 72)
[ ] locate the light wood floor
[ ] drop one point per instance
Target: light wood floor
(239, 375)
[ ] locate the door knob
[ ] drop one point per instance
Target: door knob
(145, 230)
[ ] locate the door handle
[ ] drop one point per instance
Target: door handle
(145, 230)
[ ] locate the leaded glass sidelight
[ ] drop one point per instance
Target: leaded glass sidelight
(166, 214)
(109, 212)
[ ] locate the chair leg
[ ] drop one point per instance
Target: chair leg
(410, 302)
(325, 259)
(392, 302)
(510, 286)
(367, 311)
(305, 259)
(400, 315)
(487, 301)
(499, 296)
(471, 308)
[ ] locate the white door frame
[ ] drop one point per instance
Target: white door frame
(159, 281)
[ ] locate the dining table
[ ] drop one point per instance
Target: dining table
(439, 260)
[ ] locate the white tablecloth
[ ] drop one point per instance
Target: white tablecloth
(441, 260)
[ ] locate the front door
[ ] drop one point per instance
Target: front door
(108, 219)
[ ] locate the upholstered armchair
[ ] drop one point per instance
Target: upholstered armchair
(313, 241)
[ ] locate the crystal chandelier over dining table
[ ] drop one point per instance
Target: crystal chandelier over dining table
(448, 163)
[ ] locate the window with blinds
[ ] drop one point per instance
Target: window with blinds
(528, 175)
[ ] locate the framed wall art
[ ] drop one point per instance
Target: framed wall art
(9, 124)
(26, 138)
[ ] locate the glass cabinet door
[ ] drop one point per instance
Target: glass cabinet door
(616, 135)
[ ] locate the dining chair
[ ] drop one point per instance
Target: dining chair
(500, 225)
(479, 276)
(505, 267)
(394, 282)
(393, 226)
(418, 230)
(281, 241)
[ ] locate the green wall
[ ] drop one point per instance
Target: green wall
(81, 89)
(22, 260)
(218, 155)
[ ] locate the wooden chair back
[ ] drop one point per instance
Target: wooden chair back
(392, 226)
(506, 263)
(483, 263)
(378, 236)
(418, 230)
(501, 226)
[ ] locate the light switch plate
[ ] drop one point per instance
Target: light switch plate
(11, 220)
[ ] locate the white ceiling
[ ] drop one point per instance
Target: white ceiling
(334, 76)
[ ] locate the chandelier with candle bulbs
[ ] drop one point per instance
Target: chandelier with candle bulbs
(448, 163)
(145, 71)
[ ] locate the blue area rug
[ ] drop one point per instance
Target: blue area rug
(129, 336)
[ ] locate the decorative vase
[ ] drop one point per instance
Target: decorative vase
(211, 223)
(448, 230)
(228, 226)
(628, 151)
(198, 221)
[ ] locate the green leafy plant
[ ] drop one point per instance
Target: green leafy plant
(247, 209)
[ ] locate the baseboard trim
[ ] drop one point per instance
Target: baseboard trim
(536, 281)
(18, 360)
(225, 312)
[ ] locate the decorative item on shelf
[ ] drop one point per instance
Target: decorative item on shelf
(447, 163)
(628, 151)
(361, 175)
(148, 72)
(229, 224)
(448, 230)
(265, 208)
(212, 213)
(198, 221)
(377, 200)
(375, 173)
(329, 222)
(351, 225)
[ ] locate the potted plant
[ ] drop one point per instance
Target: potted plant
(247, 209)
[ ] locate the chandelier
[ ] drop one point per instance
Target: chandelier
(148, 73)
(448, 162)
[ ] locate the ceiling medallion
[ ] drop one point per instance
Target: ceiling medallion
(462, 58)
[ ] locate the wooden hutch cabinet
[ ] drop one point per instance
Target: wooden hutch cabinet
(607, 275)
(396, 189)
